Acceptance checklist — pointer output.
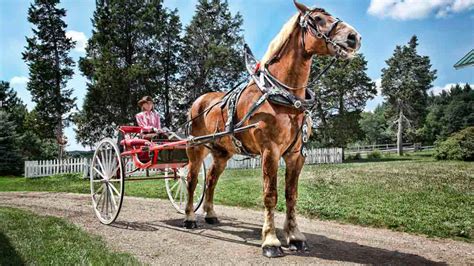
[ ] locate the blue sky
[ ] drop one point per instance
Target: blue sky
(445, 29)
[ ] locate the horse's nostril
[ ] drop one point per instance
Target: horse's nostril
(352, 41)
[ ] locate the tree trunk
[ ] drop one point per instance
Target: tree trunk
(400, 134)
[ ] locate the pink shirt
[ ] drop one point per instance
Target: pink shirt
(148, 120)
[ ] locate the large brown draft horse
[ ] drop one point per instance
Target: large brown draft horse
(310, 32)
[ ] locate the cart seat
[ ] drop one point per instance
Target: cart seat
(134, 142)
(130, 129)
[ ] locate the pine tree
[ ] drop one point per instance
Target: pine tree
(341, 95)
(405, 83)
(10, 158)
(12, 104)
(211, 53)
(125, 61)
(50, 68)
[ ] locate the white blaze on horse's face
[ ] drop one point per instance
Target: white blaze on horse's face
(339, 37)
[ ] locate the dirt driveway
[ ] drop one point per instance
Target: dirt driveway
(151, 230)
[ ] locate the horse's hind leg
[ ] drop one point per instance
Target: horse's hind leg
(295, 239)
(220, 159)
(196, 156)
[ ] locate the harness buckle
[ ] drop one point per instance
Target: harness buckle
(297, 104)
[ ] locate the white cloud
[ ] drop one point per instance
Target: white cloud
(417, 9)
(378, 85)
(80, 39)
(18, 81)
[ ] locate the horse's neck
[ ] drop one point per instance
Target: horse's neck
(294, 66)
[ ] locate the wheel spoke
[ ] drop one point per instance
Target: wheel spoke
(178, 190)
(100, 173)
(175, 184)
(114, 189)
(100, 164)
(112, 198)
(114, 172)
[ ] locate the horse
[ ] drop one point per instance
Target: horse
(310, 32)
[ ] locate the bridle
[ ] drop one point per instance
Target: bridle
(307, 23)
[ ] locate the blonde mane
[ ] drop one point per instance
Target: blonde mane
(280, 39)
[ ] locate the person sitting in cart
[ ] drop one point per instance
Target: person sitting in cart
(148, 119)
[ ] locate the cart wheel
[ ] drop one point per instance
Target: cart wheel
(107, 181)
(177, 188)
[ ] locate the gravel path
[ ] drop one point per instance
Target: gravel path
(151, 230)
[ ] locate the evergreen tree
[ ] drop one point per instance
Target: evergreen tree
(211, 52)
(448, 113)
(171, 60)
(375, 126)
(341, 95)
(405, 82)
(50, 67)
(10, 159)
(123, 63)
(11, 104)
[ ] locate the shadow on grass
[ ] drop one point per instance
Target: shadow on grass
(321, 247)
(8, 255)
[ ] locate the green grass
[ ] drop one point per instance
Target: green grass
(26, 238)
(413, 193)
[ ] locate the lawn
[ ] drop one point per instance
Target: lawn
(412, 194)
(26, 238)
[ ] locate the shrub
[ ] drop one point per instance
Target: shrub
(459, 146)
(353, 157)
(375, 154)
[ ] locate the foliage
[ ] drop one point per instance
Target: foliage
(376, 154)
(13, 105)
(50, 67)
(459, 146)
(212, 52)
(406, 80)
(449, 112)
(375, 126)
(11, 162)
(27, 238)
(353, 157)
(412, 194)
(341, 95)
(133, 52)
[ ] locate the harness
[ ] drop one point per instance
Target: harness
(277, 92)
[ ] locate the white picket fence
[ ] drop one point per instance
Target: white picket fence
(53, 167)
(81, 165)
(314, 156)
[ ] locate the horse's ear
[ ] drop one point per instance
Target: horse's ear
(301, 7)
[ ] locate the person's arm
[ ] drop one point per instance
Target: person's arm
(142, 122)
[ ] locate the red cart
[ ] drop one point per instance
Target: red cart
(164, 156)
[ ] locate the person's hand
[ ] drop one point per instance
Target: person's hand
(156, 130)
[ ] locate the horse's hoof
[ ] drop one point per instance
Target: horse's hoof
(211, 220)
(272, 252)
(190, 224)
(300, 246)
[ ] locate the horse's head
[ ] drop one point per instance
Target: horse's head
(327, 35)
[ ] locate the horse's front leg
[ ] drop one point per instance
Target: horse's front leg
(196, 156)
(295, 239)
(271, 246)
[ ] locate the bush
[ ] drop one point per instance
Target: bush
(459, 146)
(353, 157)
(376, 154)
